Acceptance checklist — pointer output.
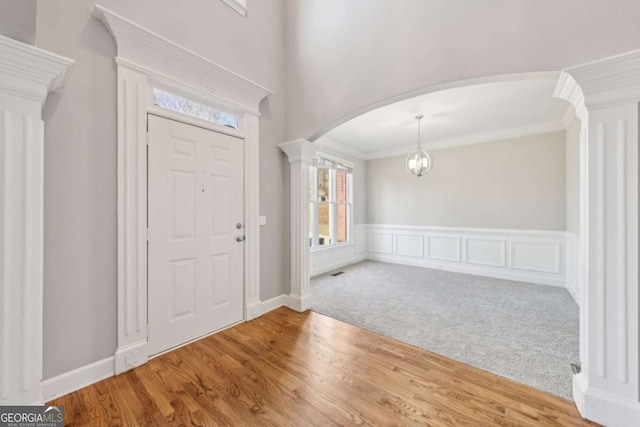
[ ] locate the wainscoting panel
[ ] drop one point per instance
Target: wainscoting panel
(536, 256)
(410, 245)
(380, 242)
(485, 252)
(444, 248)
(522, 255)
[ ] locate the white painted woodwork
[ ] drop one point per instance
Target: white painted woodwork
(606, 94)
(27, 75)
(441, 248)
(327, 259)
(195, 204)
(486, 252)
(145, 61)
(410, 245)
(300, 153)
(528, 256)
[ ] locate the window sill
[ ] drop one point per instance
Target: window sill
(327, 248)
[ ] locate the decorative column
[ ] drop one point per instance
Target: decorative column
(300, 153)
(606, 94)
(27, 75)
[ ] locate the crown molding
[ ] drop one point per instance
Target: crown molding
(478, 138)
(150, 51)
(607, 81)
(30, 72)
(337, 145)
(568, 89)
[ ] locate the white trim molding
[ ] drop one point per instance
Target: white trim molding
(145, 61)
(27, 75)
(78, 378)
(530, 256)
(332, 258)
(480, 138)
(606, 94)
(300, 153)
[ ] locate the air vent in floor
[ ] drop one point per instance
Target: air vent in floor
(338, 273)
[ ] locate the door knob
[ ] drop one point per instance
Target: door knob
(240, 238)
(239, 225)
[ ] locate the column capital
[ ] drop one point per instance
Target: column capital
(609, 81)
(29, 72)
(299, 150)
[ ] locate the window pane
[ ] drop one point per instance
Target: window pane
(342, 222)
(186, 106)
(341, 186)
(324, 230)
(324, 184)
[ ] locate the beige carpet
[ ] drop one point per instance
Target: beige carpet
(521, 331)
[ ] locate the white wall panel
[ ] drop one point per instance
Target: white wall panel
(486, 252)
(444, 248)
(522, 255)
(381, 242)
(410, 245)
(536, 256)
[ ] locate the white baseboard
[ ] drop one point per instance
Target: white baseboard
(263, 307)
(572, 287)
(78, 378)
(130, 356)
(300, 304)
(478, 271)
(602, 407)
(334, 266)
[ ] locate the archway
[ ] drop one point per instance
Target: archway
(605, 95)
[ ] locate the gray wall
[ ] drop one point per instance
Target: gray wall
(515, 184)
(573, 176)
(80, 156)
(18, 20)
(344, 56)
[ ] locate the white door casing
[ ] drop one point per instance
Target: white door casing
(146, 61)
(195, 206)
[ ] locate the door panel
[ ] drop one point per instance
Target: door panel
(195, 262)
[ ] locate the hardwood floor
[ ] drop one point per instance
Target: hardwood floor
(306, 369)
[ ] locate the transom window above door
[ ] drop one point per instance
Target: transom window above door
(179, 104)
(331, 202)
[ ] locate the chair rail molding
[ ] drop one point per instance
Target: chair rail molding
(27, 75)
(145, 61)
(606, 94)
(300, 153)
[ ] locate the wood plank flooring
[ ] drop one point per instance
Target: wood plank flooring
(305, 369)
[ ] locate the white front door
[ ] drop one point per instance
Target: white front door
(195, 232)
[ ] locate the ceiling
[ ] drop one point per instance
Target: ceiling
(454, 117)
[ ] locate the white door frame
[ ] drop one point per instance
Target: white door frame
(146, 61)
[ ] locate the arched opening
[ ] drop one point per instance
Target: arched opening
(478, 260)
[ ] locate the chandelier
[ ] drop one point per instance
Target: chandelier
(419, 162)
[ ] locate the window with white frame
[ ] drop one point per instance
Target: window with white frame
(330, 202)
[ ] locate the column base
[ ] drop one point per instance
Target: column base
(602, 407)
(131, 356)
(300, 303)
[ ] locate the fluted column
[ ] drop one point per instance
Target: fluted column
(606, 95)
(300, 153)
(27, 75)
